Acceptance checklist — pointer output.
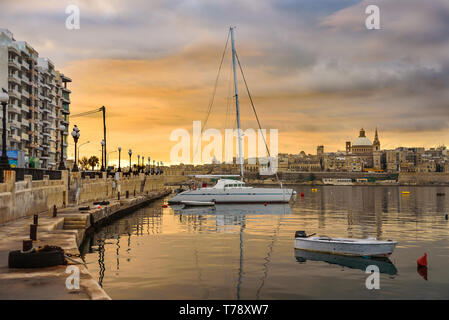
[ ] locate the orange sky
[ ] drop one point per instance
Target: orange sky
(315, 72)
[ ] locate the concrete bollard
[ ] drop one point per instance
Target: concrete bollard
(55, 211)
(27, 245)
(36, 219)
(33, 232)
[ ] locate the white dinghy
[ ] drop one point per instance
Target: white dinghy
(370, 247)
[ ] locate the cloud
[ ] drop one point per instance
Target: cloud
(315, 72)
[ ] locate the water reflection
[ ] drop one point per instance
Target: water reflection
(361, 263)
(245, 251)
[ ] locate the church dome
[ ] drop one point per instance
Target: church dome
(362, 141)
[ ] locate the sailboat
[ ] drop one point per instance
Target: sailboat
(227, 190)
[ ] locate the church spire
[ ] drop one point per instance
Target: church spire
(376, 142)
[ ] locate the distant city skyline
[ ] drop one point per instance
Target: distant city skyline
(315, 72)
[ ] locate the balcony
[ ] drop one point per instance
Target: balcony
(13, 78)
(25, 137)
(13, 63)
(14, 108)
(64, 89)
(14, 138)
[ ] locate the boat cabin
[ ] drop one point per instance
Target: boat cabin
(229, 183)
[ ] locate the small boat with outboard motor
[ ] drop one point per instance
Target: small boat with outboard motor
(370, 247)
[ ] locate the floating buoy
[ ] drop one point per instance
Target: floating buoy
(314, 190)
(405, 192)
(302, 194)
(422, 262)
(422, 271)
(164, 206)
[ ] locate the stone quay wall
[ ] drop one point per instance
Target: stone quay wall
(23, 198)
(102, 188)
(424, 178)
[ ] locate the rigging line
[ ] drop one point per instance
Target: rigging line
(255, 113)
(85, 113)
(213, 94)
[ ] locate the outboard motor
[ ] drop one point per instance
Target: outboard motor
(300, 234)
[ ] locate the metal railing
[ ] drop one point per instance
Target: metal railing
(91, 174)
(36, 174)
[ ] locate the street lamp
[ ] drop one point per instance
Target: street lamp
(119, 150)
(130, 152)
(4, 162)
(75, 135)
(102, 146)
(61, 163)
(138, 162)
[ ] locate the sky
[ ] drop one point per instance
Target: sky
(315, 72)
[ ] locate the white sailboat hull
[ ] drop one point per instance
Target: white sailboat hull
(345, 246)
(234, 195)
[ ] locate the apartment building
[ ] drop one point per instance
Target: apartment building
(38, 104)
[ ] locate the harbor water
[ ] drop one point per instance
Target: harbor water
(246, 251)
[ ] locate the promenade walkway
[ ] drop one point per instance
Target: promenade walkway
(66, 231)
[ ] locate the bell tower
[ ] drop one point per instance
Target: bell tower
(376, 142)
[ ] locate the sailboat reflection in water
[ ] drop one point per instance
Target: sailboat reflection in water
(384, 264)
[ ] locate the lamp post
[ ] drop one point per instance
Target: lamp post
(4, 162)
(119, 150)
(102, 153)
(130, 152)
(75, 135)
(138, 163)
(61, 163)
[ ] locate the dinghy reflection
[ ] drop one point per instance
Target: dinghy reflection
(384, 264)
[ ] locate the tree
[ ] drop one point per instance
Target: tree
(93, 161)
(84, 162)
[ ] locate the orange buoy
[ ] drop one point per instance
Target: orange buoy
(302, 194)
(422, 262)
(164, 206)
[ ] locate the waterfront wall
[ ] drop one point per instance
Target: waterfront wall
(22, 198)
(101, 188)
(424, 178)
(319, 175)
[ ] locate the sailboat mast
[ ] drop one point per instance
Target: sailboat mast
(237, 104)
